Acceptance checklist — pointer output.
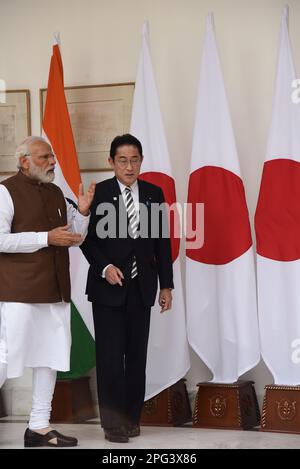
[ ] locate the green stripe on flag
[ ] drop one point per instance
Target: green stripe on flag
(83, 356)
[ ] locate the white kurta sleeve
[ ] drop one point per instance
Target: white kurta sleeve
(16, 242)
(78, 223)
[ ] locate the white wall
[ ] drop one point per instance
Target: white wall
(101, 42)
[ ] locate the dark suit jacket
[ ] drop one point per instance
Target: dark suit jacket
(153, 255)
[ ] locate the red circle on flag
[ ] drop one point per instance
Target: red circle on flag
(167, 184)
(225, 226)
(277, 217)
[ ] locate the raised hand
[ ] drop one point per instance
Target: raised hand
(85, 199)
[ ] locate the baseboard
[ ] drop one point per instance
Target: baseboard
(17, 400)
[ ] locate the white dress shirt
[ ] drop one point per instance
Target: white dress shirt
(33, 335)
(135, 195)
(31, 241)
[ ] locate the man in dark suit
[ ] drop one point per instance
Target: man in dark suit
(122, 284)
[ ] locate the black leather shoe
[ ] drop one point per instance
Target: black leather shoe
(116, 435)
(133, 430)
(33, 439)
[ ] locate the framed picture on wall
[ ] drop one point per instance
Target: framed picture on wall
(14, 126)
(98, 113)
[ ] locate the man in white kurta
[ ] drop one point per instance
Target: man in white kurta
(38, 335)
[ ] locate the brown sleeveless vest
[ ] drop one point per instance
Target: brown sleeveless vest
(42, 276)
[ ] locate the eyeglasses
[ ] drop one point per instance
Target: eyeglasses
(123, 163)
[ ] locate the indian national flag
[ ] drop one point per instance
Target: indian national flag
(58, 132)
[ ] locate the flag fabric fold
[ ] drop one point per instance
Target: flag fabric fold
(277, 225)
(57, 131)
(220, 274)
(168, 354)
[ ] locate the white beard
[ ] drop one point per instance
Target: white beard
(39, 174)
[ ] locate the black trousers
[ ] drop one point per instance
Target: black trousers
(121, 335)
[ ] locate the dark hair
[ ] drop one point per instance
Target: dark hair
(125, 139)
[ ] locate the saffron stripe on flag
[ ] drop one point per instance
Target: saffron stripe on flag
(58, 131)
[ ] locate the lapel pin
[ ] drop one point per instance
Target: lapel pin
(115, 198)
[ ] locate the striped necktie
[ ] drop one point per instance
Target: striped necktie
(133, 223)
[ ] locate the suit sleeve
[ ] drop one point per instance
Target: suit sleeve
(91, 247)
(163, 251)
